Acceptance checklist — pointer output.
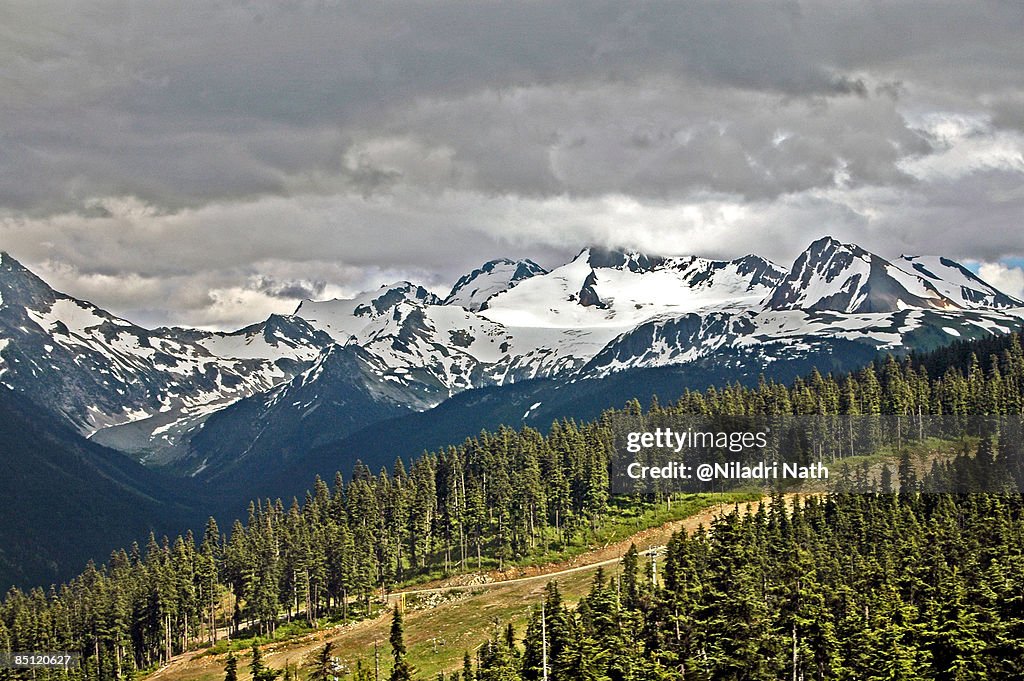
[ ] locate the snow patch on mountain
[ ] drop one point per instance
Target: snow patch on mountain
(71, 317)
(601, 289)
(277, 338)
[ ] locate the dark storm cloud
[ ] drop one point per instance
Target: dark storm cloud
(291, 290)
(174, 150)
(182, 105)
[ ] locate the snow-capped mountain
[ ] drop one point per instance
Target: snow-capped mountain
(280, 338)
(336, 365)
(96, 370)
(344, 318)
(562, 319)
(616, 290)
(957, 283)
(845, 278)
(472, 291)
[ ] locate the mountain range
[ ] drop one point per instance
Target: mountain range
(393, 371)
(196, 400)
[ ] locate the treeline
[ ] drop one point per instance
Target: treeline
(866, 587)
(954, 381)
(494, 498)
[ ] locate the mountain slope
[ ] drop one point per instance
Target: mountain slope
(956, 282)
(69, 500)
(341, 393)
(93, 370)
(758, 339)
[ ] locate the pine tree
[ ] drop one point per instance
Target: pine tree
(323, 668)
(401, 671)
(260, 671)
(631, 579)
(231, 667)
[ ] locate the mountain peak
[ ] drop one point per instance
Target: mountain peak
(21, 286)
(634, 261)
(402, 290)
(9, 264)
(826, 240)
(473, 290)
(380, 299)
(838, 277)
(343, 318)
(761, 271)
(829, 244)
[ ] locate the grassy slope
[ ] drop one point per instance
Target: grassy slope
(440, 628)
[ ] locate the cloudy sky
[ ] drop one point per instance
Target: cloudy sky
(209, 163)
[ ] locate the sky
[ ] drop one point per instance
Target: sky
(207, 164)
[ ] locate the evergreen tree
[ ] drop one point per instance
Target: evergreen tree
(231, 668)
(323, 668)
(260, 670)
(401, 670)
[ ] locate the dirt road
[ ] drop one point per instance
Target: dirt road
(486, 595)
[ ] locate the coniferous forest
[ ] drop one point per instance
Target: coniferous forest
(865, 587)
(911, 585)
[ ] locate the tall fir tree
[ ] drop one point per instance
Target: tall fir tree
(401, 670)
